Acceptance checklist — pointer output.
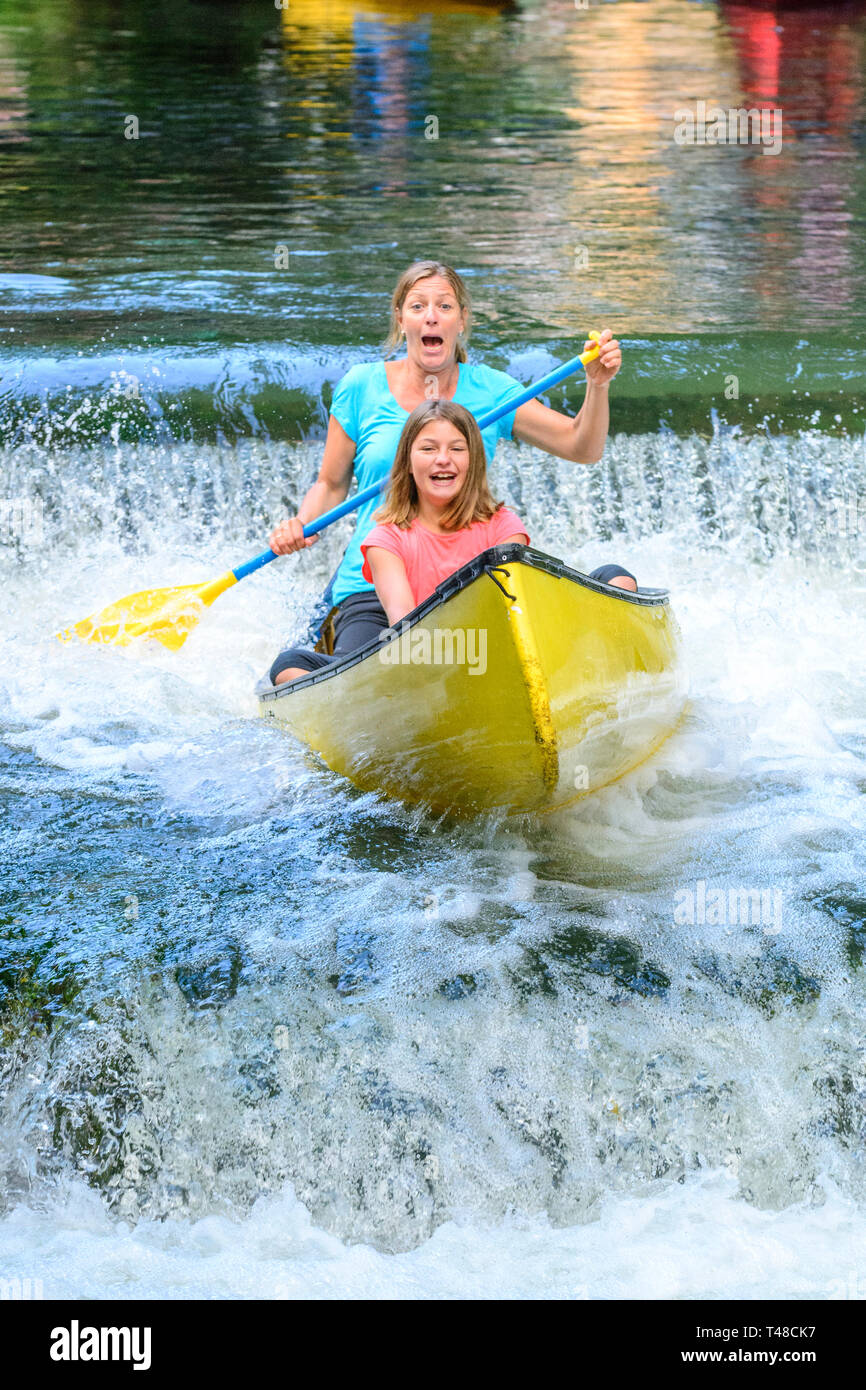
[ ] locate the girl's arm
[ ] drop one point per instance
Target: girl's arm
(581, 439)
(330, 488)
(392, 583)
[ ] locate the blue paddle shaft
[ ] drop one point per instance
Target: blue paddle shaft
(358, 499)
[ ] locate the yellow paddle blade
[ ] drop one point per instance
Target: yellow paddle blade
(168, 615)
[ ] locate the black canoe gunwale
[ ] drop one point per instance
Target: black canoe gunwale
(493, 559)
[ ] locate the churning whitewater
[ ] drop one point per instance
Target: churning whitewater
(265, 1036)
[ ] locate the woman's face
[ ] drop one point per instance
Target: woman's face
(439, 462)
(432, 321)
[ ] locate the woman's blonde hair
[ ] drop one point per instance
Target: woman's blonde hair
(422, 270)
(472, 503)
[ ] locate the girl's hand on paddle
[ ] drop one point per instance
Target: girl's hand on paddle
(603, 369)
(288, 537)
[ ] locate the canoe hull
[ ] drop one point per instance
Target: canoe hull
(519, 686)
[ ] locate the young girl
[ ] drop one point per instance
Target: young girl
(438, 513)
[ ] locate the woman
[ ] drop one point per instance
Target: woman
(430, 309)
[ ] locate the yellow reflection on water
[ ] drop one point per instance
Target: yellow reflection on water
(576, 176)
(336, 17)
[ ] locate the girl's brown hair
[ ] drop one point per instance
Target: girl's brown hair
(422, 270)
(472, 503)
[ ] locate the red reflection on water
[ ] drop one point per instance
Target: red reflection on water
(759, 46)
(805, 60)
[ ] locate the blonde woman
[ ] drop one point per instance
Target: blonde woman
(431, 311)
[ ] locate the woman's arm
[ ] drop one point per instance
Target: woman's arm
(330, 488)
(581, 439)
(392, 583)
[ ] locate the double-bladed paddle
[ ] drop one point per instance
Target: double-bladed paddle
(169, 615)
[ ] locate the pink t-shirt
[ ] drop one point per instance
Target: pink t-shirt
(430, 557)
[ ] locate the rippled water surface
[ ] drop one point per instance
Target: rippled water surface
(262, 1035)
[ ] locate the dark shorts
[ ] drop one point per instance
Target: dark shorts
(360, 618)
(605, 573)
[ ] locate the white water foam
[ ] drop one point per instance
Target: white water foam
(762, 786)
(695, 1241)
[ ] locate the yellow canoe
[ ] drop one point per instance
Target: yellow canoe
(519, 686)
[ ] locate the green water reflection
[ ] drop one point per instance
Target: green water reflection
(555, 177)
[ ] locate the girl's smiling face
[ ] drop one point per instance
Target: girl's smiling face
(432, 320)
(439, 463)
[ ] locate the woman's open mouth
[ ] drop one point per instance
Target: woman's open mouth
(432, 340)
(442, 477)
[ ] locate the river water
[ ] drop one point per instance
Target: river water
(265, 1036)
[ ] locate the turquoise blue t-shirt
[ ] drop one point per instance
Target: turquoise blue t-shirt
(364, 406)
